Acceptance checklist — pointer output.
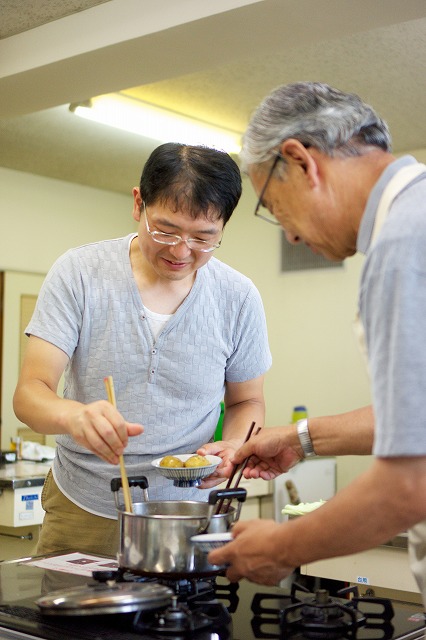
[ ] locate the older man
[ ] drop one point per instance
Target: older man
(320, 161)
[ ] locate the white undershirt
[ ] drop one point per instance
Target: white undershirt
(157, 321)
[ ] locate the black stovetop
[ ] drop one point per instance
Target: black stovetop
(255, 612)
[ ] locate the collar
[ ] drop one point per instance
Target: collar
(369, 215)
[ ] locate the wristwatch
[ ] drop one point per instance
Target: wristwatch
(305, 438)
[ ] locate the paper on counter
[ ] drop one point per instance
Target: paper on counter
(82, 564)
(302, 508)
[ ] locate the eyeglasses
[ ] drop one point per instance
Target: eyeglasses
(267, 216)
(172, 239)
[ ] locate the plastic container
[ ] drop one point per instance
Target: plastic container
(299, 412)
(16, 445)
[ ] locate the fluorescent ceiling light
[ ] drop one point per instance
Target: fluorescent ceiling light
(154, 122)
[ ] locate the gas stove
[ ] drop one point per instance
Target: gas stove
(210, 609)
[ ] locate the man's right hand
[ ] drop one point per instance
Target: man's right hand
(273, 451)
(100, 428)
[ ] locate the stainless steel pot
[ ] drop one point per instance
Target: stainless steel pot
(155, 540)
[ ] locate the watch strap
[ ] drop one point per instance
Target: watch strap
(305, 438)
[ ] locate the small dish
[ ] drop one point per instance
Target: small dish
(208, 541)
(187, 476)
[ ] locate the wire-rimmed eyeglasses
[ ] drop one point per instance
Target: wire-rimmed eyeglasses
(260, 204)
(171, 239)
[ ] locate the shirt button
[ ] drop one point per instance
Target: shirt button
(154, 351)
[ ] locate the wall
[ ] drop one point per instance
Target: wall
(41, 218)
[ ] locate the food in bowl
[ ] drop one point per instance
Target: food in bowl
(186, 475)
(171, 462)
(197, 461)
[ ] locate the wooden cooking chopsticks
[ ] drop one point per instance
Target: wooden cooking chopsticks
(109, 385)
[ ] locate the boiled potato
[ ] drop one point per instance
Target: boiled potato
(197, 461)
(171, 461)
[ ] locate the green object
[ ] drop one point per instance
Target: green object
(218, 432)
(299, 413)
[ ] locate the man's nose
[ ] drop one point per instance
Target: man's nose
(180, 250)
(292, 238)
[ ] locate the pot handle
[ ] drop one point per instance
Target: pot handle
(227, 494)
(224, 494)
(135, 481)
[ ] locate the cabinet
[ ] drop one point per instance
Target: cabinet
(381, 569)
(18, 542)
(21, 513)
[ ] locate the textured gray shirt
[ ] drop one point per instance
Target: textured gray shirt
(392, 305)
(90, 307)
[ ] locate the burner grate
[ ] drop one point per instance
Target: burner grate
(321, 617)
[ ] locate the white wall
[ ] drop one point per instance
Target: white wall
(41, 218)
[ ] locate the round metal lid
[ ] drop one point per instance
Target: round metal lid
(94, 599)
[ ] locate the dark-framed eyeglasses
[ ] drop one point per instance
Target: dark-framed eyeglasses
(258, 210)
(171, 239)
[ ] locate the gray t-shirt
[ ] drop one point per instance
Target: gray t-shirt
(90, 307)
(392, 305)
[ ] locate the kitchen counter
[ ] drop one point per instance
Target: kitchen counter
(23, 473)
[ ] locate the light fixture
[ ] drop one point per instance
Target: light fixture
(154, 122)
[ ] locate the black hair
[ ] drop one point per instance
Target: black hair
(197, 180)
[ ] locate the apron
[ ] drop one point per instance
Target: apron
(417, 534)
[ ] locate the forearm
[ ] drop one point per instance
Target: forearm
(348, 433)
(239, 418)
(244, 404)
(351, 522)
(276, 449)
(37, 406)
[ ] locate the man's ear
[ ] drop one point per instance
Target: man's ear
(137, 204)
(295, 152)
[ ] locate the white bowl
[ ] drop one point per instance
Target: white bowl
(187, 476)
(208, 541)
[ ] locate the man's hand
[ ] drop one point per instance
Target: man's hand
(225, 449)
(253, 554)
(273, 451)
(100, 428)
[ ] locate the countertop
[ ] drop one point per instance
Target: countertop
(23, 473)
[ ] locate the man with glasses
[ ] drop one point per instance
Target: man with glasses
(320, 160)
(178, 331)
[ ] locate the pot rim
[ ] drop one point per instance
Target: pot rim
(177, 516)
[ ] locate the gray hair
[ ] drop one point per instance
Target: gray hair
(335, 123)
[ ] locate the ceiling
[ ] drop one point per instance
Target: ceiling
(211, 60)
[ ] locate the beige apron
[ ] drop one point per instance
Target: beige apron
(416, 535)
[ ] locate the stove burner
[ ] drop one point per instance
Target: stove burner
(194, 607)
(322, 617)
(179, 618)
(186, 589)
